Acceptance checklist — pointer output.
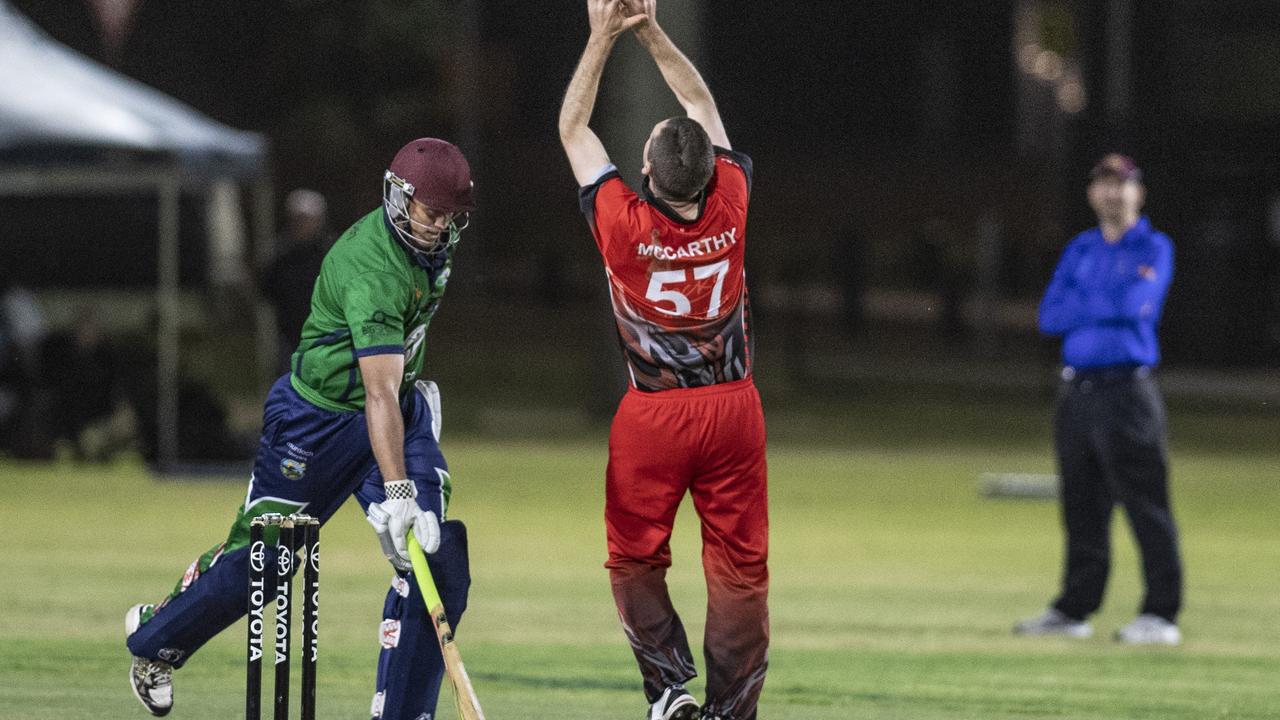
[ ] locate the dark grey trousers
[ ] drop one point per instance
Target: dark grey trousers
(1110, 435)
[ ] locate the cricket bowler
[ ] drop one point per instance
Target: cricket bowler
(351, 417)
(691, 420)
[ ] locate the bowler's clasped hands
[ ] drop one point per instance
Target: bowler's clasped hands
(610, 18)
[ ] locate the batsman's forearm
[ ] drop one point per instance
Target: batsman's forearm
(580, 98)
(386, 435)
(681, 76)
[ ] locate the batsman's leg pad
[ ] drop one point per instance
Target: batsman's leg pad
(451, 568)
(410, 666)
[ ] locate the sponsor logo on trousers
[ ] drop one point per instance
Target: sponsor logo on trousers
(193, 572)
(401, 586)
(390, 633)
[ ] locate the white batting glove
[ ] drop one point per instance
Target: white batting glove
(394, 518)
(380, 520)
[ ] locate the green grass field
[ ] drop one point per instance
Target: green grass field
(894, 588)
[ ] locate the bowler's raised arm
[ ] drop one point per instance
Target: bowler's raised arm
(682, 77)
(586, 153)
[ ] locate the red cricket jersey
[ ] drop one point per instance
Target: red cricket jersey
(678, 286)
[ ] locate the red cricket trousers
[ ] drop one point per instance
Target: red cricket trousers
(709, 442)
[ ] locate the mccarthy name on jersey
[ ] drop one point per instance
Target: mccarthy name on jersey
(697, 248)
(678, 286)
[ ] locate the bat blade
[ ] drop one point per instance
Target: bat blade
(468, 703)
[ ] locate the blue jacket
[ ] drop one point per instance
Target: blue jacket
(1105, 299)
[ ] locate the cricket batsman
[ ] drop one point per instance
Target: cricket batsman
(691, 420)
(351, 417)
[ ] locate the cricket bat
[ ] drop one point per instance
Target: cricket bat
(463, 693)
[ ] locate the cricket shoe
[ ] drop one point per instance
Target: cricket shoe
(1053, 622)
(151, 680)
(1147, 629)
(675, 703)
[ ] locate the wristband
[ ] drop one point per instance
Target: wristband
(400, 490)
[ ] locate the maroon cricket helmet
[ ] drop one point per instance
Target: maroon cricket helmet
(438, 173)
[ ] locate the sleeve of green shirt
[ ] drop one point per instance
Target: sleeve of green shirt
(374, 303)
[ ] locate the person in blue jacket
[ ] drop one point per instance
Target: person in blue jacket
(1105, 302)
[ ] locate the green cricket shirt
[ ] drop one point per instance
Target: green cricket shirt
(371, 299)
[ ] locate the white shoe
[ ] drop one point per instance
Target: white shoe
(1053, 622)
(1147, 629)
(151, 680)
(675, 703)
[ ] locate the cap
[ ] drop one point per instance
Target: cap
(1117, 166)
(438, 172)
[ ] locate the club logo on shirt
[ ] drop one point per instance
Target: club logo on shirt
(697, 248)
(377, 323)
(292, 469)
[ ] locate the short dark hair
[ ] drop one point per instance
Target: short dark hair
(681, 159)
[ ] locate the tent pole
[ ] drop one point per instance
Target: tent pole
(167, 347)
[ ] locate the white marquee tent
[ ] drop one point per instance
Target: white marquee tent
(70, 126)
